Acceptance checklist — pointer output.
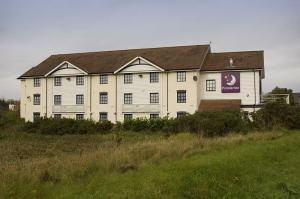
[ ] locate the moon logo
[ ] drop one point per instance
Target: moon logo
(232, 82)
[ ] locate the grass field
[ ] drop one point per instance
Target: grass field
(256, 165)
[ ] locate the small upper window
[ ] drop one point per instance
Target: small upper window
(36, 82)
(36, 99)
(127, 78)
(154, 77)
(57, 81)
(211, 85)
(103, 79)
(80, 80)
(181, 76)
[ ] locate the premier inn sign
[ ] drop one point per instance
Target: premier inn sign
(230, 82)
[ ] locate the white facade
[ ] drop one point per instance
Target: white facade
(115, 109)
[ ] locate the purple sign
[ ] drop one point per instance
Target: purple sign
(230, 82)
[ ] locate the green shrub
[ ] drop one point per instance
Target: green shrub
(10, 119)
(67, 126)
(277, 115)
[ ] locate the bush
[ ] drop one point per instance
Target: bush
(10, 119)
(277, 115)
(67, 126)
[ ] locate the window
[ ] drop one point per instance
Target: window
(154, 77)
(154, 98)
(79, 80)
(127, 98)
(181, 76)
(79, 117)
(103, 116)
(154, 116)
(57, 81)
(57, 99)
(36, 82)
(127, 78)
(211, 85)
(36, 116)
(79, 99)
(181, 114)
(36, 99)
(103, 79)
(103, 99)
(181, 96)
(57, 116)
(127, 116)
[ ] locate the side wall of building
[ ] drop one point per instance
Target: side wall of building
(249, 87)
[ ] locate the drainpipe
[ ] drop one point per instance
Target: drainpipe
(90, 96)
(46, 97)
(254, 89)
(116, 103)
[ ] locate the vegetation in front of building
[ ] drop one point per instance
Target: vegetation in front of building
(210, 123)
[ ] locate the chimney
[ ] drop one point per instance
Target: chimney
(230, 62)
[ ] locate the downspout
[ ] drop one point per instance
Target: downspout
(167, 94)
(254, 89)
(116, 102)
(90, 97)
(46, 97)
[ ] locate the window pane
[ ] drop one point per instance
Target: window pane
(181, 114)
(36, 116)
(79, 117)
(36, 99)
(103, 116)
(127, 78)
(181, 96)
(127, 98)
(57, 99)
(80, 80)
(127, 116)
(57, 116)
(103, 79)
(103, 98)
(57, 81)
(181, 76)
(154, 116)
(154, 98)
(36, 82)
(79, 99)
(154, 77)
(211, 85)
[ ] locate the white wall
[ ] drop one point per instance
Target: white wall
(249, 95)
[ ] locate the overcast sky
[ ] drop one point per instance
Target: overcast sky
(32, 30)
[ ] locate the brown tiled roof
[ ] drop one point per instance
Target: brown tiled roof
(206, 105)
(241, 60)
(168, 58)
